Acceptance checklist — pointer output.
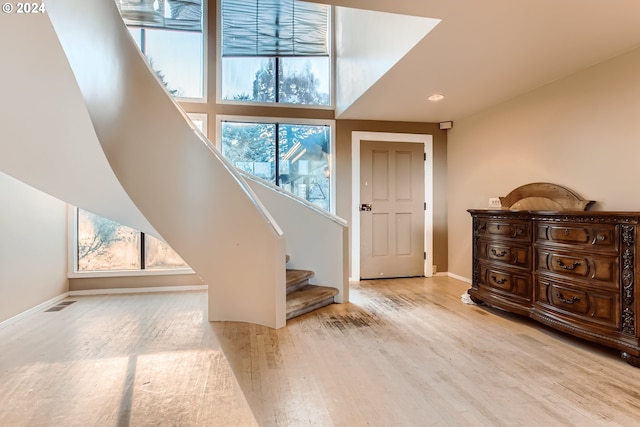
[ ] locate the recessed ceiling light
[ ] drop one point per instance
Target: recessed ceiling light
(436, 97)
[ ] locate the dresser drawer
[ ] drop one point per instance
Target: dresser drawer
(504, 252)
(505, 229)
(505, 282)
(600, 307)
(593, 267)
(602, 237)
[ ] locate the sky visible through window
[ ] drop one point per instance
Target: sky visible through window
(178, 56)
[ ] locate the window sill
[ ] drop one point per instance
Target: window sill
(128, 273)
(275, 104)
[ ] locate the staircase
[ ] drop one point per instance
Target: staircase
(303, 297)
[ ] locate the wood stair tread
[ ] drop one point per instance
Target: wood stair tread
(297, 279)
(309, 298)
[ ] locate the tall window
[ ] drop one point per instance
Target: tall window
(170, 34)
(275, 51)
(296, 157)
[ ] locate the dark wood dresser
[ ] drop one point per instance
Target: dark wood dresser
(574, 271)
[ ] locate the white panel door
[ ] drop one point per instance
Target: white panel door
(391, 209)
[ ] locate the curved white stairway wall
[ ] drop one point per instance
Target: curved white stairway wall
(183, 187)
(46, 137)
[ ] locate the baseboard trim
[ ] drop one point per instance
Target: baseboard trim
(462, 279)
(10, 321)
(112, 291)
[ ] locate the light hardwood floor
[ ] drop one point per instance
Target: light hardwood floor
(404, 352)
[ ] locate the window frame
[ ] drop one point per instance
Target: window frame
(332, 70)
(289, 121)
(72, 250)
(204, 118)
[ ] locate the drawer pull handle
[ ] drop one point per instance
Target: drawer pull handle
(499, 282)
(499, 255)
(568, 267)
(566, 232)
(567, 301)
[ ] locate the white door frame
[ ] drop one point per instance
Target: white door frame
(427, 140)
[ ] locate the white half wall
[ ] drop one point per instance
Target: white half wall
(316, 240)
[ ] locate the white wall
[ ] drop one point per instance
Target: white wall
(582, 132)
(33, 247)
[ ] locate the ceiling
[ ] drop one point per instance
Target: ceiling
(483, 53)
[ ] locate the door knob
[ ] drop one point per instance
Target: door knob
(365, 207)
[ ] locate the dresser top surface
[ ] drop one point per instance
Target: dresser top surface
(568, 215)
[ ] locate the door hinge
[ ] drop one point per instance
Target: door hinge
(425, 206)
(425, 256)
(425, 156)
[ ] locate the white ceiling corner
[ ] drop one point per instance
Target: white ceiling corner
(368, 44)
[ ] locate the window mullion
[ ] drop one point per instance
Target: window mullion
(277, 82)
(142, 251)
(277, 149)
(143, 41)
(77, 240)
